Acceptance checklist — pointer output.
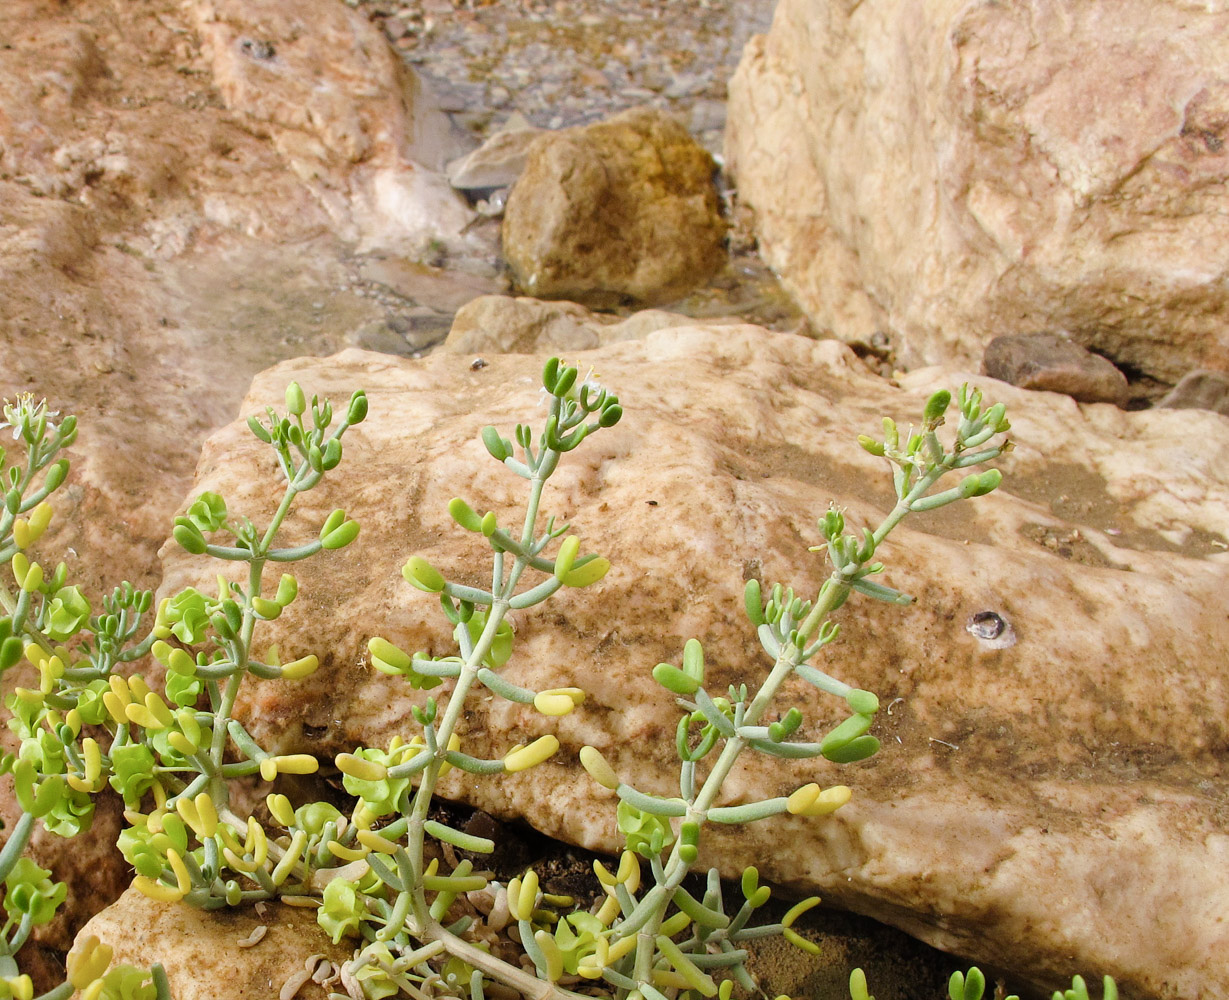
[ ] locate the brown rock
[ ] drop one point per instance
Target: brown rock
(1020, 813)
(525, 326)
(201, 950)
(1202, 389)
(939, 170)
(622, 209)
(1049, 362)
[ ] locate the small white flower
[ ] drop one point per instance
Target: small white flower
(24, 411)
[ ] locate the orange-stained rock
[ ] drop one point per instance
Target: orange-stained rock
(158, 247)
(1050, 806)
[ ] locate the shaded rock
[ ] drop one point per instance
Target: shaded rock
(1050, 362)
(441, 290)
(525, 326)
(622, 209)
(498, 162)
(1051, 806)
(1203, 389)
(941, 169)
(201, 951)
(94, 875)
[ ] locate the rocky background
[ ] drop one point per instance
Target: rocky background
(192, 191)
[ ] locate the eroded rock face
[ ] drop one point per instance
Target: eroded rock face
(949, 172)
(351, 120)
(622, 209)
(1052, 805)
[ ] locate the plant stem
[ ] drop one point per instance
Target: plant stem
(456, 702)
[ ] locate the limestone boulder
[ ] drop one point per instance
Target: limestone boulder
(1202, 389)
(946, 172)
(498, 162)
(623, 209)
(1050, 794)
(523, 325)
(224, 953)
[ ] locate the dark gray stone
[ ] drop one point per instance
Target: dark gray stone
(1201, 389)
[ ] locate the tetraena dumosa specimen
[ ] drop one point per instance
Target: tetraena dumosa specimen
(171, 754)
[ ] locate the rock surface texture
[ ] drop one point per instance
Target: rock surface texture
(622, 209)
(221, 955)
(948, 172)
(1051, 806)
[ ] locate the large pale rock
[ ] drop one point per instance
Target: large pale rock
(948, 172)
(206, 954)
(621, 209)
(498, 162)
(1050, 806)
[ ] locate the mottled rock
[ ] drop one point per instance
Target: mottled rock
(353, 122)
(1051, 362)
(622, 209)
(1203, 389)
(201, 950)
(524, 326)
(1049, 806)
(948, 171)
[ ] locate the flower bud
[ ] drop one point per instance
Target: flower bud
(296, 403)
